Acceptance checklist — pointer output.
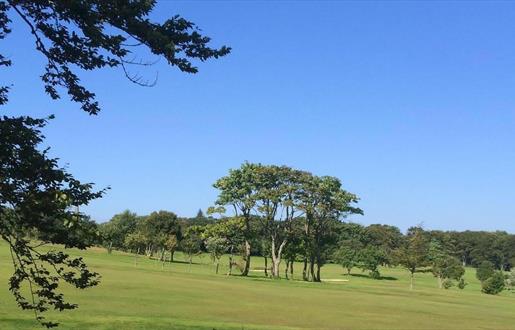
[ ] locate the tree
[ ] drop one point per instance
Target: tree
(370, 258)
(384, 237)
(216, 246)
(71, 35)
(136, 241)
(494, 284)
(237, 190)
(171, 243)
(36, 194)
(231, 231)
(295, 247)
(90, 35)
(485, 271)
(348, 254)
(115, 230)
(200, 214)
(413, 254)
(192, 242)
(276, 189)
(324, 202)
(446, 269)
(158, 227)
(510, 280)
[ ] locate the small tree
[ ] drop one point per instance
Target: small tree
(371, 257)
(347, 257)
(446, 269)
(485, 271)
(413, 253)
(494, 284)
(171, 244)
(135, 242)
(216, 246)
(192, 242)
(232, 231)
(510, 280)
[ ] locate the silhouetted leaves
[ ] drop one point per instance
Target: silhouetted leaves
(37, 196)
(94, 34)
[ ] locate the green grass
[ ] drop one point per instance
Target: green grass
(178, 296)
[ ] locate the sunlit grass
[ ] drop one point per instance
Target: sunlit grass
(148, 295)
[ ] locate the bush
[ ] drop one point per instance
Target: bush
(447, 284)
(485, 271)
(510, 280)
(494, 284)
(375, 274)
(462, 284)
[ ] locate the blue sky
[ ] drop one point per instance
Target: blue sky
(410, 104)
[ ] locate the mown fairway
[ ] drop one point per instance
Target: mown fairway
(148, 296)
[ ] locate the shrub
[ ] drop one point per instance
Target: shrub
(375, 274)
(485, 271)
(446, 284)
(510, 280)
(494, 284)
(462, 284)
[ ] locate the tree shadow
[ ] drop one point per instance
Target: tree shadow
(381, 278)
(184, 262)
(174, 262)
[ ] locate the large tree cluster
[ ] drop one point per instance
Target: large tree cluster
(286, 206)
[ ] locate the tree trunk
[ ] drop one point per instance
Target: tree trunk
(217, 264)
(276, 258)
(286, 269)
(136, 257)
(110, 247)
(440, 282)
(312, 268)
(305, 270)
(149, 252)
(171, 255)
(411, 281)
(291, 269)
(246, 270)
(318, 273)
(318, 266)
(266, 266)
(230, 262)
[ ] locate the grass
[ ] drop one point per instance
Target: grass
(179, 296)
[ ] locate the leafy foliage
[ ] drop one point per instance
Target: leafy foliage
(413, 254)
(447, 269)
(192, 241)
(93, 34)
(36, 195)
(485, 271)
(494, 284)
(371, 258)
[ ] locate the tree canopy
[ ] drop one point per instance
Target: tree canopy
(93, 34)
(36, 194)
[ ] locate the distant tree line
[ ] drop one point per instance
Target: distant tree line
(285, 215)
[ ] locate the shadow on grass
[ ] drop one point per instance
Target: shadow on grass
(382, 278)
(175, 261)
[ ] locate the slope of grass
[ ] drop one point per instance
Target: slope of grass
(180, 296)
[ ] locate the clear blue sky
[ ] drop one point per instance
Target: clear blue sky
(411, 104)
